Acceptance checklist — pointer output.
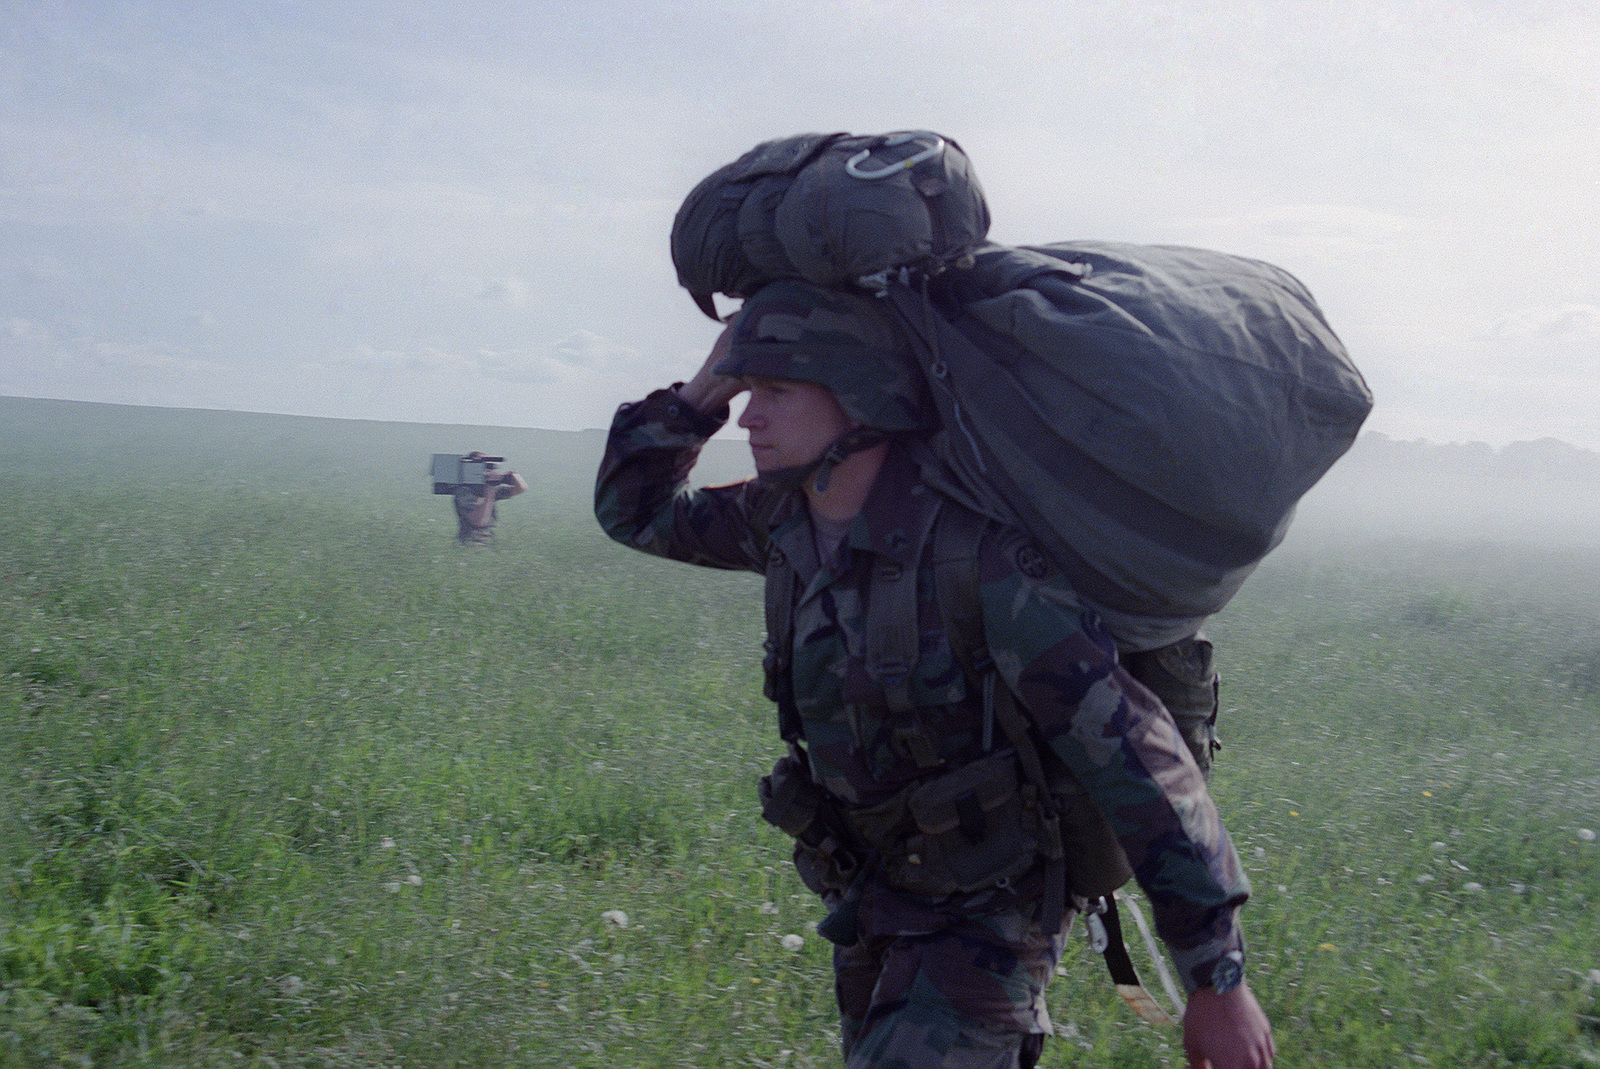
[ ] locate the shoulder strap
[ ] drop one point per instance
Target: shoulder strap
(779, 607)
(893, 633)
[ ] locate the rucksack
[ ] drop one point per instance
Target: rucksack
(1149, 414)
(834, 209)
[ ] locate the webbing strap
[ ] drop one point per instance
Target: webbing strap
(892, 644)
(1114, 949)
(780, 640)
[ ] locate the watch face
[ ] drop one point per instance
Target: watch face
(1228, 973)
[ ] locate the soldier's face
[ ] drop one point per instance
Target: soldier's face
(790, 423)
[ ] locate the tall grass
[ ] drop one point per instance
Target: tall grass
(290, 779)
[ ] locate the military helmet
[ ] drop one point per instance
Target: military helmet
(838, 339)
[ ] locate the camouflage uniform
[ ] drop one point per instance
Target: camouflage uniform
(956, 980)
(468, 498)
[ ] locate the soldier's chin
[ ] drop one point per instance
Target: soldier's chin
(790, 477)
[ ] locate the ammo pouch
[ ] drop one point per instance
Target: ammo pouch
(1096, 864)
(792, 803)
(968, 829)
(974, 827)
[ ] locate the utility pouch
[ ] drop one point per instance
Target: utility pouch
(1184, 676)
(972, 828)
(792, 803)
(1096, 864)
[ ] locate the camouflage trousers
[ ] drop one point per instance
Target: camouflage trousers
(969, 996)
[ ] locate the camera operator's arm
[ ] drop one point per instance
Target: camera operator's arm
(501, 485)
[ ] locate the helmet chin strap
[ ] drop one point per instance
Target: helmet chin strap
(846, 445)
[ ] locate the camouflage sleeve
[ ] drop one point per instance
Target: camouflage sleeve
(1122, 746)
(642, 497)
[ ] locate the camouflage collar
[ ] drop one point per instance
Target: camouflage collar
(900, 507)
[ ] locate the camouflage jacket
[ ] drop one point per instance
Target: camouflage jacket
(1110, 732)
(466, 499)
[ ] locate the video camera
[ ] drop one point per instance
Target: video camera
(451, 471)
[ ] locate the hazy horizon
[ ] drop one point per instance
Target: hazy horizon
(1539, 492)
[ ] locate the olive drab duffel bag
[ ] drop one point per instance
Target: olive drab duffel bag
(1149, 414)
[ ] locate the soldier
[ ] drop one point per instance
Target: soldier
(905, 634)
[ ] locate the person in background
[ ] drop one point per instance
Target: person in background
(475, 505)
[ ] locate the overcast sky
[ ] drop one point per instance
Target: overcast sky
(458, 213)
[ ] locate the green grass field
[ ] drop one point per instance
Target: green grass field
(287, 778)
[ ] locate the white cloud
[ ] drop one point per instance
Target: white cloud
(512, 292)
(20, 329)
(1564, 322)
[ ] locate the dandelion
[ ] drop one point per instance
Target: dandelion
(1327, 948)
(1427, 794)
(1586, 834)
(616, 917)
(792, 942)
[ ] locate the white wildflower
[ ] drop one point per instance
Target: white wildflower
(1586, 834)
(291, 986)
(414, 880)
(393, 887)
(792, 942)
(769, 909)
(386, 843)
(1472, 887)
(1438, 846)
(1426, 877)
(615, 916)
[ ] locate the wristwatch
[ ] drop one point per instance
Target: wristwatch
(1228, 973)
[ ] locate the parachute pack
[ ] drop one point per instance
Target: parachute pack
(833, 209)
(1149, 414)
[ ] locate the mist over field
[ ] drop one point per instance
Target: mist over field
(289, 778)
(1540, 493)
